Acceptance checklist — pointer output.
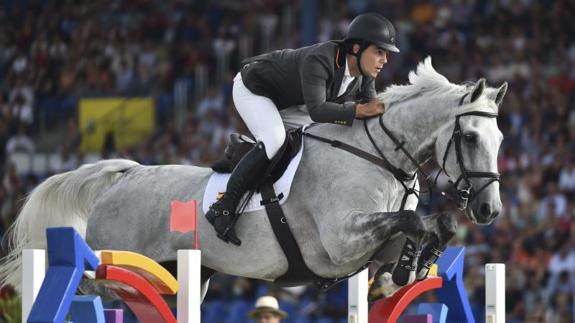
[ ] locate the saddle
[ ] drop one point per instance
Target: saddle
(239, 145)
(298, 273)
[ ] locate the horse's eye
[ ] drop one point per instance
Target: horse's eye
(470, 138)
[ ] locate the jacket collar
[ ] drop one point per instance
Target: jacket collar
(339, 69)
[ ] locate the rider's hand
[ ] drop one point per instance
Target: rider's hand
(369, 109)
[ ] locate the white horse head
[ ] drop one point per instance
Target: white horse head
(466, 140)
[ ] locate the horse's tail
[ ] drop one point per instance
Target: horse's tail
(61, 200)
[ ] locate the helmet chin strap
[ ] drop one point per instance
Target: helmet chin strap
(362, 47)
(359, 64)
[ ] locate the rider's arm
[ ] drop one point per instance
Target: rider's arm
(314, 76)
(369, 109)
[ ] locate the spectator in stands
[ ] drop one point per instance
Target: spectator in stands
(567, 178)
(4, 136)
(561, 270)
(554, 200)
(20, 142)
(267, 310)
(21, 111)
(213, 101)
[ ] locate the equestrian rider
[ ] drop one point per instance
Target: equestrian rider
(321, 76)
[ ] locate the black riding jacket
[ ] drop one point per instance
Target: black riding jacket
(309, 75)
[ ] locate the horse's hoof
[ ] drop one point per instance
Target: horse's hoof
(385, 288)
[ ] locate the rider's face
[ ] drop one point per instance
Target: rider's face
(372, 60)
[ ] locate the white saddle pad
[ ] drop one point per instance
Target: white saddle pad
(218, 182)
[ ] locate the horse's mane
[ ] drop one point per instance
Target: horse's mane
(425, 79)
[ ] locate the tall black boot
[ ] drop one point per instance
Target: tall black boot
(222, 214)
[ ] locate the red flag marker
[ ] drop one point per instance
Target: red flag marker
(184, 218)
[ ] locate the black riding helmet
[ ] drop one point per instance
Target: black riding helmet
(370, 28)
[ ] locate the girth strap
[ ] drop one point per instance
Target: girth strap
(298, 272)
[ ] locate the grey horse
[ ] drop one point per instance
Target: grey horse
(343, 210)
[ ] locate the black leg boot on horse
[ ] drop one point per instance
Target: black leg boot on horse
(223, 213)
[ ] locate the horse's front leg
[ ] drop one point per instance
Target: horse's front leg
(410, 263)
(365, 233)
(441, 228)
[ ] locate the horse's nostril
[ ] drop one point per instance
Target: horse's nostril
(485, 209)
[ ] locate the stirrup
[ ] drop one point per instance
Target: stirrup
(216, 210)
(228, 234)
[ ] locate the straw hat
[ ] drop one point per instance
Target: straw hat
(267, 304)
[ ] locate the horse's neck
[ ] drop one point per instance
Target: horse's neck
(415, 125)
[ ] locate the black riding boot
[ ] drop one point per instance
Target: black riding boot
(222, 214)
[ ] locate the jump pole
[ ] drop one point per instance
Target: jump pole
(33, 272)
(358, 289)
(189, 278)
(495, 293)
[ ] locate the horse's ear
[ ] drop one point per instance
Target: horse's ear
(477, 90)
(501, 93)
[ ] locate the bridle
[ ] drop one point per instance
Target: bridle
(464, 195)
(461, 196)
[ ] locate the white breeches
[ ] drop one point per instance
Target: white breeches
(263, 118)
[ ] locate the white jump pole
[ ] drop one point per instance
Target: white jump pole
(357, 309)
(495, 293)
(189, 279)
(33, 272)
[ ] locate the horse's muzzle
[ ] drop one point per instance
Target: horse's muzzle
(482, 212)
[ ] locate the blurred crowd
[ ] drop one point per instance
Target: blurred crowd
(54, 52)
